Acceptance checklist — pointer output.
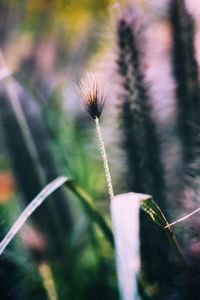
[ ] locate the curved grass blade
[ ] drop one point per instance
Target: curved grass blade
(125, 218)
(154, 211)
(31, 207)
(91, 209)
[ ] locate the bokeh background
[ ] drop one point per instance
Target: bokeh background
(59, 254)
(46, 46)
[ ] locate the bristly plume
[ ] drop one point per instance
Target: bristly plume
(92, 93)
(141, 143)
(186, 75)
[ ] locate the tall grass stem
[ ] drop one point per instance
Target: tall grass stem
(105, 160)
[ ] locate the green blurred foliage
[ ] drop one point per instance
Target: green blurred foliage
(52, 42)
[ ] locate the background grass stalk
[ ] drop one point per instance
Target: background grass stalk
(105, 159)
(48, 281)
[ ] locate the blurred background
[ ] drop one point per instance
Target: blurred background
(60, 253)
(148, 54)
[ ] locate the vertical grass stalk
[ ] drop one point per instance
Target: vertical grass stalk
(92, 93)
(105, 159)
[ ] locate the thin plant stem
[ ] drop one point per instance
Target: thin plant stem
(48, 280)
(105, 160)
(183, 218)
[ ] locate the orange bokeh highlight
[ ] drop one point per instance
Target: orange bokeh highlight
(7, 185)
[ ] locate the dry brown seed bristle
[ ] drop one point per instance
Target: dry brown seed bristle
(92, 94)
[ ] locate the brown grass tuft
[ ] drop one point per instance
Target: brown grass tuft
(92, 94)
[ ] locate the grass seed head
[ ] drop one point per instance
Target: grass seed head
(92, 94)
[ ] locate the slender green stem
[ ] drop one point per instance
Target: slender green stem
(105, 160)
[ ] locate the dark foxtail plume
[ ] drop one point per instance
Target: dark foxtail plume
(188, 102)
(140, 141)
(131, 113)
(142, 147)
(186, 76)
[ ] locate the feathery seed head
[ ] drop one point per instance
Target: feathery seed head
(92, 93)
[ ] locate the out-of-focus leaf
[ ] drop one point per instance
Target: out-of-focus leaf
(21, 78)
(91, 209)
(85, 199)
(125, 219)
